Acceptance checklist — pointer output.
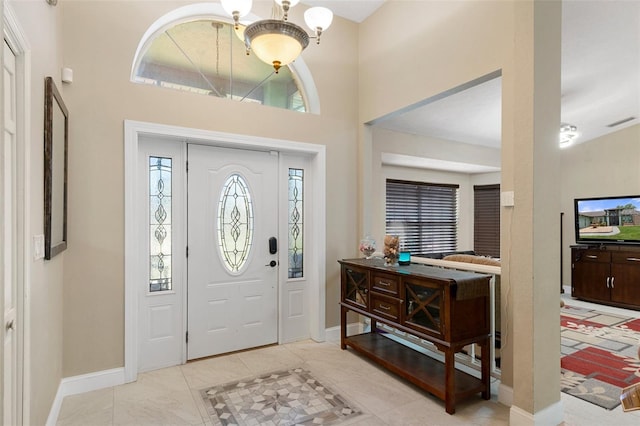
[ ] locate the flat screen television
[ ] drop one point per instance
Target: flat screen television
(607, 220)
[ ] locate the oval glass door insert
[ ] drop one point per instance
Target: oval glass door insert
(235, 223)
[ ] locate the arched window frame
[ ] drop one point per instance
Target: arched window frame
(200, 11)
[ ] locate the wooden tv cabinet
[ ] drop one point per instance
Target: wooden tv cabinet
(446, 307)
(607, 274)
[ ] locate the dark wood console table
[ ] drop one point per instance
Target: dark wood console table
(446, 307)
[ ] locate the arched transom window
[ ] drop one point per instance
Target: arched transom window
(204, 54)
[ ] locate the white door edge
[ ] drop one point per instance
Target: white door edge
(17, 40)
(316, 269)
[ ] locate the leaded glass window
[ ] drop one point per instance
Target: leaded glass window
(296, 221)
(159, 224)
(235, 223)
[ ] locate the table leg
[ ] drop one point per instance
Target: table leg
(485, 368)
(343, 327)
(450, 383)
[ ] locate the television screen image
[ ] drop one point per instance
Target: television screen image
(608, 220)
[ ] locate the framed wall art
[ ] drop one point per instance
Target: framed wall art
(56, 143)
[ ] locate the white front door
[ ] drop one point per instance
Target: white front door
(233, 260)
(11, 371)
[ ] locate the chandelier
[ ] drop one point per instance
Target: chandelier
(277, 41)
(568, 133)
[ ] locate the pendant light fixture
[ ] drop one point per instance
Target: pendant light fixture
(277, 41)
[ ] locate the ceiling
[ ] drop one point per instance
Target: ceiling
(354, 10)
(600, 78)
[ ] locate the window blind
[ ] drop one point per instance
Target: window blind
(486, 224)
(424, 215)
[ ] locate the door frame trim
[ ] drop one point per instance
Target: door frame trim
(17, 40)
(133, 130)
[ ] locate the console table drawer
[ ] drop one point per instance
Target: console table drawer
(387, 307)
(385, 284)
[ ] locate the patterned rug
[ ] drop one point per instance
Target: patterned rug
(599, 354)
(288, 397)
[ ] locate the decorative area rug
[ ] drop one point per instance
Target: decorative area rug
(288, 397)
(599, 354)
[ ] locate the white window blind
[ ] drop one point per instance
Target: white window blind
(424, 215)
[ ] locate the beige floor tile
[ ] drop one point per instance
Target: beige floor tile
(270, 358)
(216, 370)
(160, 397)
(364, 420)
(202, 409)
(427, 412)
(339, 365)
(171, 395)
(378, 395)
(91, 408)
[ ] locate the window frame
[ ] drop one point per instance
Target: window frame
(299, 68)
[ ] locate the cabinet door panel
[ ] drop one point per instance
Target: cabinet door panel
(355, 288)
(424, 306)
(625, 283)
(589, 280)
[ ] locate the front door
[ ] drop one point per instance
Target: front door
(232, 250)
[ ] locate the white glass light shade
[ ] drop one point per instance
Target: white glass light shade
(276, 42)
(318, 17)
(242, 7)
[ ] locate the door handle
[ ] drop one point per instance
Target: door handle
(9, 325)
(273, 264)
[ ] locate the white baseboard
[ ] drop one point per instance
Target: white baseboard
(333, 334)
(552, 415)
(107, 378)
(81, 384)
(505, 395)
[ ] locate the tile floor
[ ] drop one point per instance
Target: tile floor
(171, 396)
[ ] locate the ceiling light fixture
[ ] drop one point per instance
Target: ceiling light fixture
(568, 134)
(277, 41)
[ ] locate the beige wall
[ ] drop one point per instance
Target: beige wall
(428, 47)
(41, 25)
(606, 166)
(100, 40)
(441, 46)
